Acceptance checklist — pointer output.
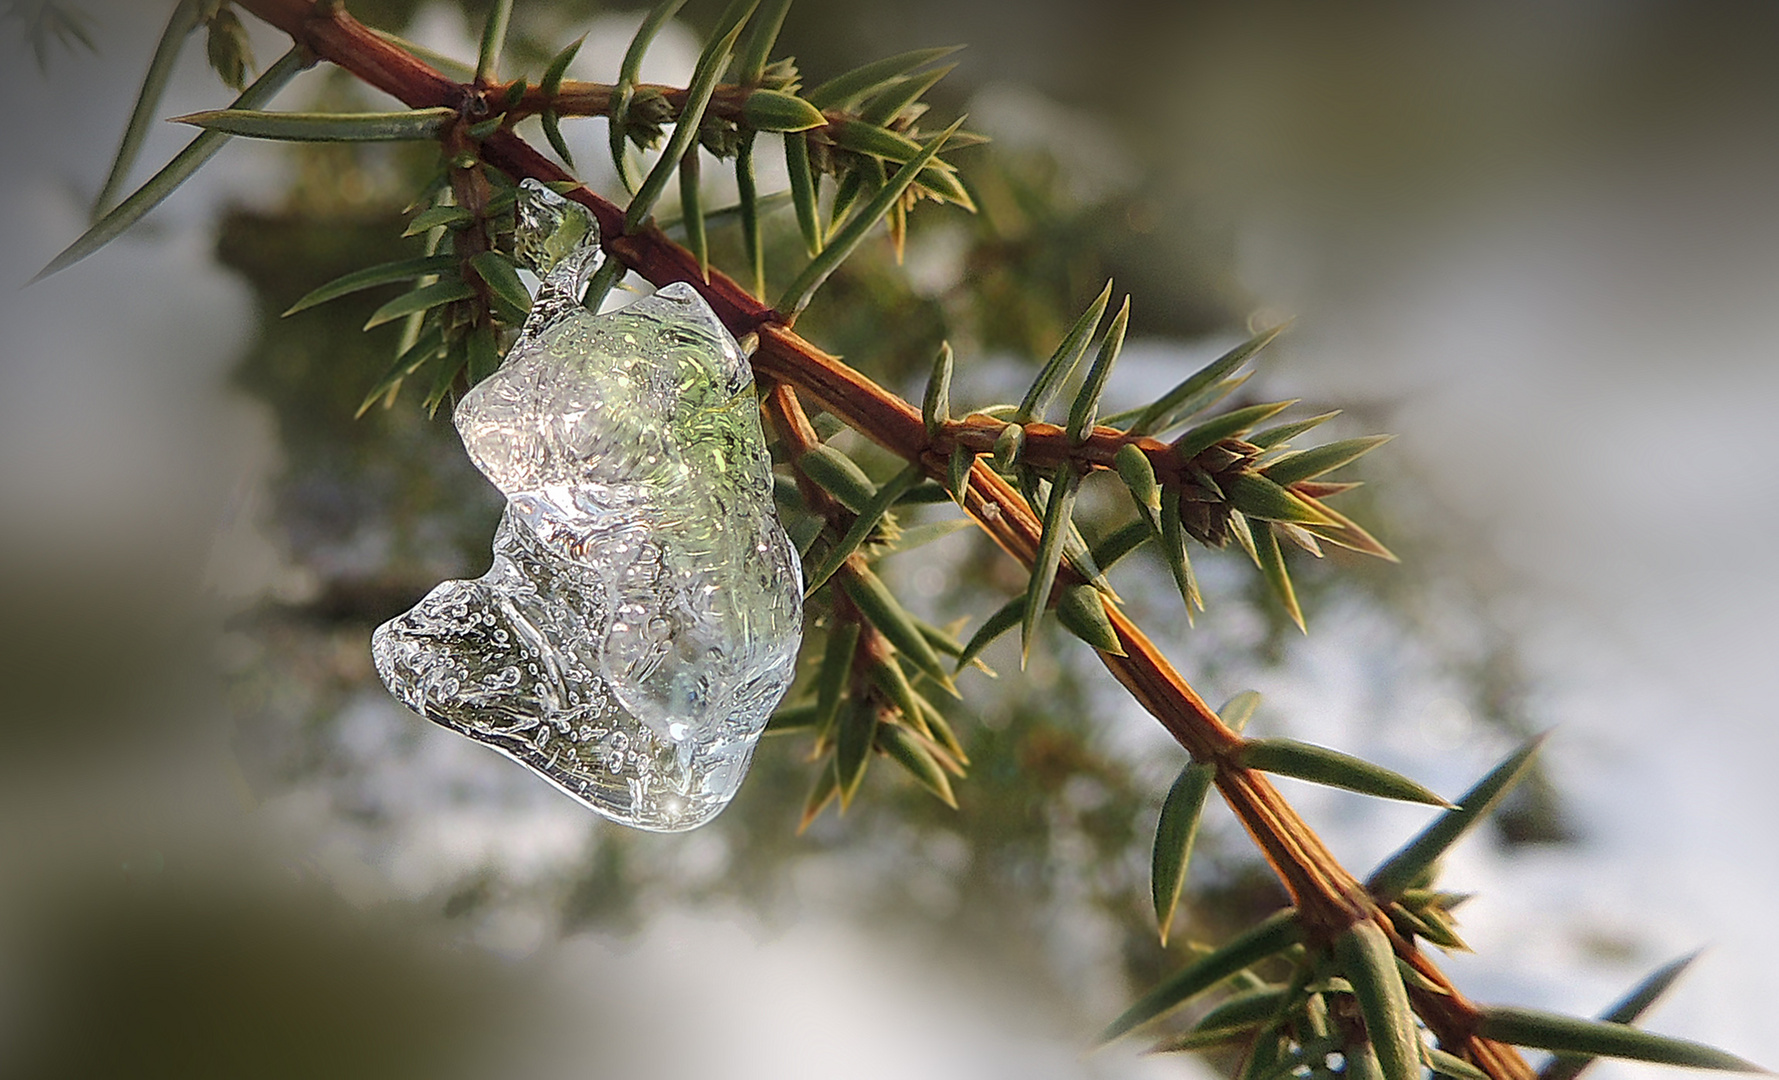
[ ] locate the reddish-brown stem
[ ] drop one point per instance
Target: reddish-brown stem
(1328, 898)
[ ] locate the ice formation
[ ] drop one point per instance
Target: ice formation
(643, 612)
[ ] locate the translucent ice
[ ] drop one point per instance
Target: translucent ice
(643, 612)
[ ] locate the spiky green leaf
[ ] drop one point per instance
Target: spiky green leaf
(1309, 464)
(324, 127)
(835, 672)
(839, 476)
(775, 110)
(1231, 425)
(552, 122)
(435, 217)
(177, 171)
(1277, 933)
(154, 84)
(935, 409)
(1600, 1038)
(503, 281)
(1203, 401)
(955, 758)
(1627, 1010)
(1246, 1009)
(826, 786)
(1175, 833)
(844, 242)
(711, 63)
(1117, 544)
(852, 747)
(793, 720)
(887, 675)
(1321, 765)
(1082, 611)
(1633, 1005)
(1348, 534)
(427, 344)
(1430, 924)
(482, 354)
(1369, 963)
(803, 193)
(888, 102)
(1204, 1040)
(617, 129)
(1057, 512)
(422, 299)
(941, 639)
(1173, 550)
(1244, 536)
(551, 83)
(659, 15)
(756, 48)
(494, 36)
(1003, 619)
(1085, 409)
(1284, 433)
(867, 520)
(1260, 497)
(925, 493)
(1062, 362)
(939, 181)
(844, 89)
(373, 276)
(1451, 1065)
(691, 204)
(444, 380)
(1272, 566)
(1151, 418)
(879, 605)
(1138, 474)
(919, 536)
(1411, 862)
(1238, 710)
(748, 206)
(909, 751)
(864, 138)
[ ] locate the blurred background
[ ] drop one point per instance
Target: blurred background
(1537, 240)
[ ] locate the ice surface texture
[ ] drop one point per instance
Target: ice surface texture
(643, 613)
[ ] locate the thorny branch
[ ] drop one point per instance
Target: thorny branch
(1329, 899)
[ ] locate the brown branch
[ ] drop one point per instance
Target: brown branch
(1328, 898)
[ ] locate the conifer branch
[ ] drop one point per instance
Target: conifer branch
(1329, 900)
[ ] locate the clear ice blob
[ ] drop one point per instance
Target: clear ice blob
(643, 613)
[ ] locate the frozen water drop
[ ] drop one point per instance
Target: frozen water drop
(641, 579)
